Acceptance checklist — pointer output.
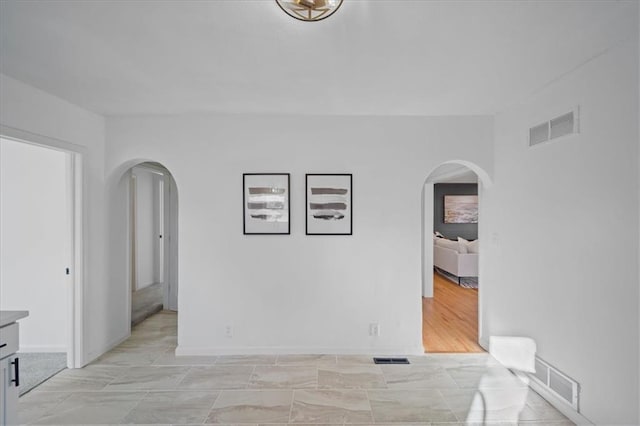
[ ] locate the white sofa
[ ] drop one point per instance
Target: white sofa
(455, 257)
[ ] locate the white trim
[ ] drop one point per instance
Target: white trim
(559, 404)
(484, 344)
(77, 186)
(294, 350)
(151, 168)
(77, 355)
(130, 248)
(18, 135)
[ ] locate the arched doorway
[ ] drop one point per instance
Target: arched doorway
(145, 246)
(452, 236)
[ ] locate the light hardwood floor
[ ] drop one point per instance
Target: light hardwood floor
(450, 318)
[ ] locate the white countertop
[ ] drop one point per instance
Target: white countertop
(8, 317)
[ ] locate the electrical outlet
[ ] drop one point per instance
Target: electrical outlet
(374, 329)
(228, 331)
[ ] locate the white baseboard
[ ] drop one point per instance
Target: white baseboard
(293, 350)
(484, 344)
(559, 404)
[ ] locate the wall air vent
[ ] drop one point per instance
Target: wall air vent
(539, 134)
(378, 360)
(563, 125)
(557, 382)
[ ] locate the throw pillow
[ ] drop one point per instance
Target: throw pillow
(472, 247)
(462, 245)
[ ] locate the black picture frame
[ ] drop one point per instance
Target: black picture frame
(329, 204)
(266, 204)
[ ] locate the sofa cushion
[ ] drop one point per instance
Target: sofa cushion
(443, 242)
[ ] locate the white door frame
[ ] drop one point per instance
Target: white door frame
(171, 235)
(76, 185)
(484, 182)
(168, 213)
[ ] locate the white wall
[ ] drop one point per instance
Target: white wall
(296, 293)
(35, 242)
(146, 228)
(563, 243)
(27, 110)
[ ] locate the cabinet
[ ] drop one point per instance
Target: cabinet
(9, 366)
(9, 374)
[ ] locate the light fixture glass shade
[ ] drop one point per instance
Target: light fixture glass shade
(309, 10)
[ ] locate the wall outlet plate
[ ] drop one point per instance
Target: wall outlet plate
(374, 329)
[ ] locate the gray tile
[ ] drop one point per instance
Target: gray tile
(330, 406)
(36, 404)
(251, 406)
(355, 359)
(306, 360)
(182, 390)
(92, 377)
(488, 405)
(217, 377)
(417, 377)
(93, 408)
(283, 377)
(247, 360)
(454, 360)
(170, 358)
(172, 407)
(351, 376)
(480, 377)
(542, 410)
(130, 357)
(543, 413)
(409, 406)
(149, 378)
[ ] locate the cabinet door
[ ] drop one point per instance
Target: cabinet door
(4, 382)
(9, 391)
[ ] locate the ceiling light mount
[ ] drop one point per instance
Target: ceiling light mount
(309, 10)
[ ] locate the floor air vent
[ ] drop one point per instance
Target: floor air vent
(558, 383)
(565, 124)
(391, 360)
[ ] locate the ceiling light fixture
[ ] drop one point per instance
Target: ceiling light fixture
(309, 10)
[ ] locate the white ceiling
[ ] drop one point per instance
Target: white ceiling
(241, 56)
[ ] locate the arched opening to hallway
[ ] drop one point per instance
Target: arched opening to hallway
(451, 291)
(149, 197)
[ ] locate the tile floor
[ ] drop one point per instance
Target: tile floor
(142, 382)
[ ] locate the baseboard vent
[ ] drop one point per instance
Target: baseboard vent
(390, 360)
(562, 125)
(557, 382)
